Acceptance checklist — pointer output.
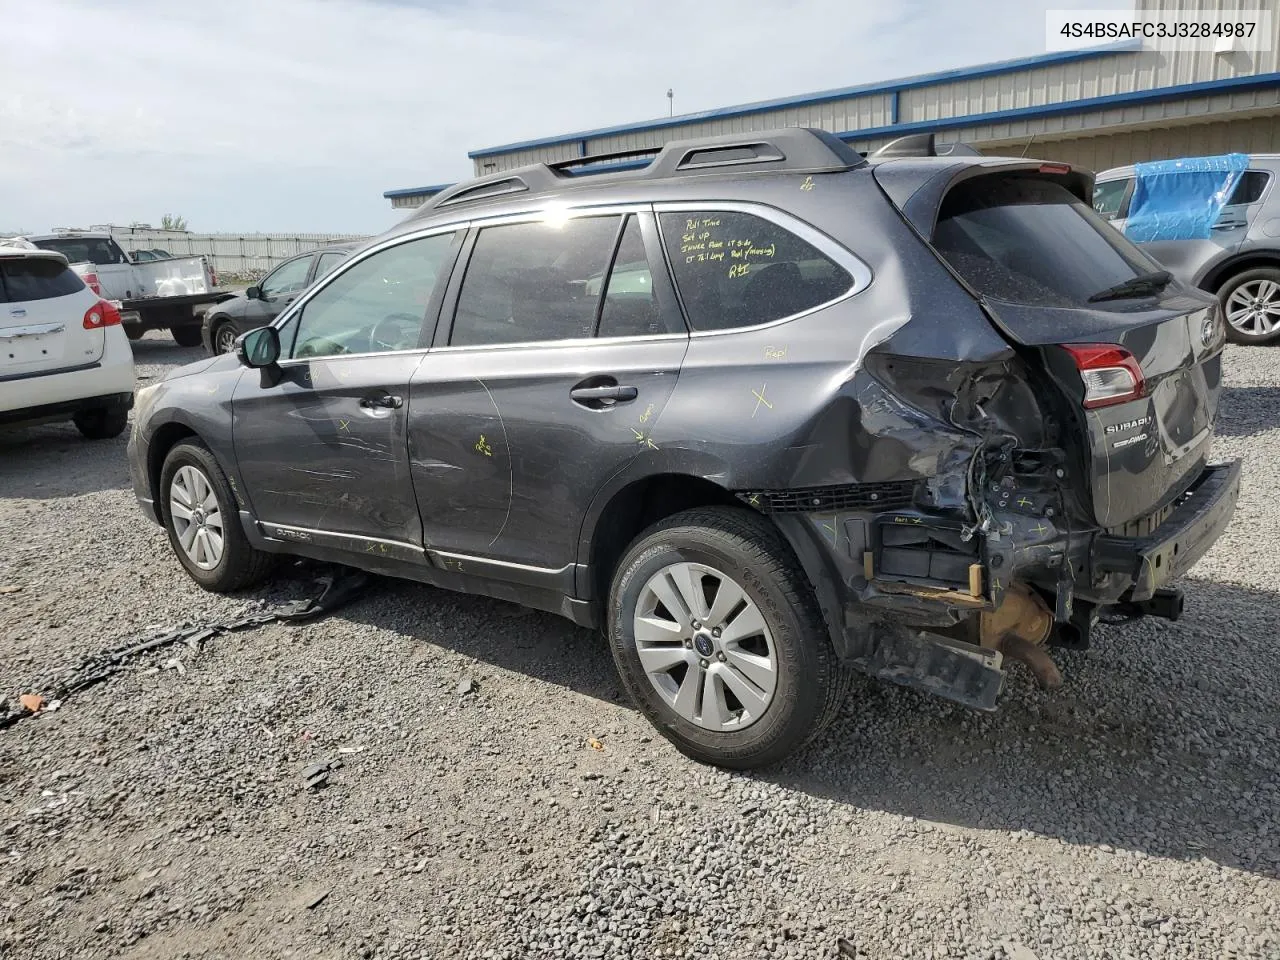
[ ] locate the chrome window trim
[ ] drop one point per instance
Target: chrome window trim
(842, 256)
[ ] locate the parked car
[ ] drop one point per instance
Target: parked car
(153, 295)
(141, 256)
(63, 354)
(1239, 262)
(835, 415)
(260, 304)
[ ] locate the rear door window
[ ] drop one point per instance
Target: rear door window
(1028, 240)
(736, 269)
(1110, 199)
(1250, 188)
(23, 279)
(534, 282)
(326, 262)
(631, 306)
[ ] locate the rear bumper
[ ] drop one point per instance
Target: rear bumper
(1198, 519)
(74, 388)
(65, 409)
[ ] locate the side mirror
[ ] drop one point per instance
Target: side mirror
(253, 293)
(258, 348)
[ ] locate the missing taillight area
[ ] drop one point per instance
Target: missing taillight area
(1110, 373)
(101, 314)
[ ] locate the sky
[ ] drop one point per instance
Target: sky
(296, 115)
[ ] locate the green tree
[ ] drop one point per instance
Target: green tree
(171, 221)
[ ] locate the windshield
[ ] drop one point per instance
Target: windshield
(96, 250)
(1025, 239)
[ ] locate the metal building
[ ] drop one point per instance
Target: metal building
(1095, 108)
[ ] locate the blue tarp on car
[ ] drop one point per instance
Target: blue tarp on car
(1181, 199)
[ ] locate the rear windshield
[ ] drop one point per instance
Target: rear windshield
(96, 250)
(36, 278)
(1026, 239)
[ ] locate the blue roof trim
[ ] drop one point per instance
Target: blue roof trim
(416, 191)
(826, 96)
(1069, 106)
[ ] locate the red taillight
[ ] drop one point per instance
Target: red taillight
(1110, 373)
(213, 275)
(1055, 168)
(101, 314)
(91, 281)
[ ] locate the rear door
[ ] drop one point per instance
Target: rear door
(564, 346)
(42, 308)
(1053, 277)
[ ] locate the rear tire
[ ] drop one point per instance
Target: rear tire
(133, 333)
(1254, 298)
(101, 423)
(761, 649)
(201, 517)
(186, 335)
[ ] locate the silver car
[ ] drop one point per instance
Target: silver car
(1240, 262)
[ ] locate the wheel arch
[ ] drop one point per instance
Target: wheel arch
(166, 437)
(631, 506)
(1217, 278)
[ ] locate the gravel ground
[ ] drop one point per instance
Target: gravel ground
(1135, 813)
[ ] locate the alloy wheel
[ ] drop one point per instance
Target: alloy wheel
(224, 341)
(196, 517)
(1254, 307)
(705, 647)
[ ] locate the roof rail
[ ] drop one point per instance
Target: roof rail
(923, 145)
(529, 179)
(604, 158)
(794, 149)
(789, 149)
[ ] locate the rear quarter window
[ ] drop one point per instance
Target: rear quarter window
(738, 270)
(36, 278)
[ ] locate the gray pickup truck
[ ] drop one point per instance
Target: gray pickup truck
(153, 295)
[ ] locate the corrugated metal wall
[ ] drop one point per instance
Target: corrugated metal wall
(229, 253)
(1038, 86)
(1098, 153)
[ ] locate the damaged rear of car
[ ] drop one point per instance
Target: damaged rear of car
(1063, 461)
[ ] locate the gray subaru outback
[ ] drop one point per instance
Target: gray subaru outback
(766, 411)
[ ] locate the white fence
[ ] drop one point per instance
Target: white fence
(230, 253)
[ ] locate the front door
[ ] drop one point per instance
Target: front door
(564, 348)
(278, 289)
(321, 445)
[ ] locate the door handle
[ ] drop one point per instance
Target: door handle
(386, 402)
(616, 392)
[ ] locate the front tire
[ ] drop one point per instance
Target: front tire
(1251, 305)
(717, 636)
(223, 337)
(101, 423)
(200, 516)
(186, 335)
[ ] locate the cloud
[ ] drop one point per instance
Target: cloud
(297, 114)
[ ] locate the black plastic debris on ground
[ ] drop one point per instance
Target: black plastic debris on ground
(317, 774)
(339, 586)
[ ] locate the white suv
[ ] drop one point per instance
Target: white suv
(63, 352)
